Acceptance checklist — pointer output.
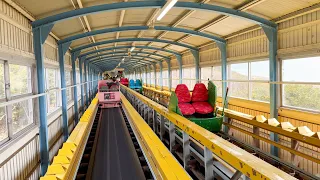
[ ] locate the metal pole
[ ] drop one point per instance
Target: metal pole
(86, 80)
(161, 78)
(82, 85)
(223, 50)
(273, 75)
(196, 63)
(75, 89)
(179, 59)
(169, 75)
(40, 34)
(62, 49)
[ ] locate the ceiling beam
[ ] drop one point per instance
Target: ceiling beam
(179, 21)
(135, 28)
(128, 47)
(123, 55)
(220, 18)
(122, 13)
(126, 53)
(150, 4)
(132, 40)
(85, 23)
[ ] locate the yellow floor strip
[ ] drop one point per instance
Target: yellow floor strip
(166, 164)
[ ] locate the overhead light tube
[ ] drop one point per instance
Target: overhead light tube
(166, 8)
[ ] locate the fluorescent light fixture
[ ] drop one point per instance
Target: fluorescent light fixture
(132, 48)
(166, 8)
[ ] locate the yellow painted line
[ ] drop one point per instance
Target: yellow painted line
(238, 158)
(167, 165)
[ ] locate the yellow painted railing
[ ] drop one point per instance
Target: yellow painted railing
(65, 163)
(298, 134)
(248, 164)
(165, 166)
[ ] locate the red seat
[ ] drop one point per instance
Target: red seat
(183, 93)
(184, 99)
(200, 93)
(200, 99)
(202, 107)
(186, 109)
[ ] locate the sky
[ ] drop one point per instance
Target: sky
(304, 70)
(300, 70)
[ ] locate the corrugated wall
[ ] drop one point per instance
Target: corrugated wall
(16, 39)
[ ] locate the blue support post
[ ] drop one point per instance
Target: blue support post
(145, 75)
(161, 78)
(196, 63)
(271, 33)
(40, 34)
(169, 75)
(179, 59)
(86, 84)
(155, 74)
(75, 89)
(81, 60)
(90, 82)
(223, 51)
(148, 69)
(62, 49)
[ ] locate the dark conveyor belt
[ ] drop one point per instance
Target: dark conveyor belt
(115, 156)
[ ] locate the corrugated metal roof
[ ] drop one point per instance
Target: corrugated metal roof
(197, 20)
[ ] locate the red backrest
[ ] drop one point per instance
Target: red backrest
(183, 93)
(199, 93)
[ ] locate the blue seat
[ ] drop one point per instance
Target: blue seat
(138, 84)
(132, 85)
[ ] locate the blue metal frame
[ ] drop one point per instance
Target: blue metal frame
(141, 28)
(112, 66)
(126, 53)
(196, 56)
(179, 59)
(40, 34)
(85, 68)
(109, 64)
(90, 83)
(75, 89)
(155, 74)
(121, 55)
(43, 26)
(273, 76)
(62, 49)
(118, 59)
(128, 47)
(161, 78)
(81, 60)
(149, 4)
(133, 40)
(169, 75)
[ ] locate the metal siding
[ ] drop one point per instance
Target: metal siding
(22, 163)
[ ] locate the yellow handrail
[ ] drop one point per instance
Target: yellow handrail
(240, 159)
(166, 165)
(65, 163)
